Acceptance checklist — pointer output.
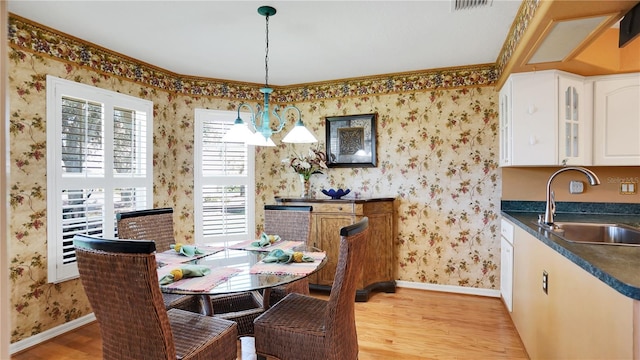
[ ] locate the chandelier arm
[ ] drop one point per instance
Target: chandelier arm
(252, 120)
(284, 117)
(292, 107)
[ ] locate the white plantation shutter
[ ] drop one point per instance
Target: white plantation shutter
(130, 143)
(99, 162)
(224, 181)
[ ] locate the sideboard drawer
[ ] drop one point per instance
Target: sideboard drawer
(333, 208)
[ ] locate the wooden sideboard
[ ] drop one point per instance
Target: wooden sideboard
(328, 216)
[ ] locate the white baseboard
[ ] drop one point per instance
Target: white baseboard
(51, 333)
(449, 288)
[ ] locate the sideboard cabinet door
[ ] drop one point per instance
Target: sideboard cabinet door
(326, 231)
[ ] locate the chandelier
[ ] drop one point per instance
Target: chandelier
(261, 119)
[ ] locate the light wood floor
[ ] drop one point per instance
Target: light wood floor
(410, 324)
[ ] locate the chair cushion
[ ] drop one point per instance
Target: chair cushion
(297, 319)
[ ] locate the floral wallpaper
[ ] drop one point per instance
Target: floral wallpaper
(36, 304)
(437, 155)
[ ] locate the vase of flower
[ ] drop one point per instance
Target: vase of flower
(305, 166)
(306, 186)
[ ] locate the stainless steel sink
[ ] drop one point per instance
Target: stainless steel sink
(594, 233)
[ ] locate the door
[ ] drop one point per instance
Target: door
(327, 231)
(617, 121)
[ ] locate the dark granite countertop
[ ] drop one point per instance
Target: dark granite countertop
(616, 265)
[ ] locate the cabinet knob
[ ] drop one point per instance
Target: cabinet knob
(533, 140)
(531, 109)
(340, 208)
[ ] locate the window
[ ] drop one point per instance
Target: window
(224, 181)
(99, 162)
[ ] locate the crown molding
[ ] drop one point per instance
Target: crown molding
(26, 35)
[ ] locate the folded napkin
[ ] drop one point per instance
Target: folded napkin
(292, 268)
(186, 250)
(266, 240)
(185, 271)
(249, 245)
(285, 257)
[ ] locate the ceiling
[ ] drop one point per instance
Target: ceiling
(309, 41)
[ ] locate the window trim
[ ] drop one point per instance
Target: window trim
(199, 181)
(57, 271)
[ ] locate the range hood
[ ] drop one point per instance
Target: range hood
(564, 38)
(578, 36)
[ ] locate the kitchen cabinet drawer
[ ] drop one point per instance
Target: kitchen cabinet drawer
(506, 230)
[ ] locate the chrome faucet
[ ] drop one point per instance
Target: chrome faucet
(550, 209)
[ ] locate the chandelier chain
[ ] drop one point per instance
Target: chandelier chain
(266, 56)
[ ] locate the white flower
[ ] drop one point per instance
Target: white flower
(309, 164)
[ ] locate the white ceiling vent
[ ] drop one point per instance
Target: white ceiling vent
(457, 5)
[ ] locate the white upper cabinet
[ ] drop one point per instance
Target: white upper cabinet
(616, 139)
(543, 120)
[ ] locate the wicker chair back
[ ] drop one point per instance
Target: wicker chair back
(290, 222)
(302, 327)
(156, 225)
(340, 322)
(121, 283)
(152, 224)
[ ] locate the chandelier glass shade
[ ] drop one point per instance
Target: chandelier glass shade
(259, 129)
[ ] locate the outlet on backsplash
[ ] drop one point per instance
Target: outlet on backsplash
(628, 188)
(576, 187)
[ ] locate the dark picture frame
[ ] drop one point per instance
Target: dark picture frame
(351, 140)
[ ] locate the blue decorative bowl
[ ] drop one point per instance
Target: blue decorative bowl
(335, 194)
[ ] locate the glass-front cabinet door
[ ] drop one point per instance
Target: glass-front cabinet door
(505, 116)
(572, 123)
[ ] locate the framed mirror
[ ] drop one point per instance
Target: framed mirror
(351, 140)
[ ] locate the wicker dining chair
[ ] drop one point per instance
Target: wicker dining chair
(290, 223)
(156, 225)
(121, 282)
(301, 327)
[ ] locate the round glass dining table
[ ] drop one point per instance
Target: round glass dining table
(238, 271)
